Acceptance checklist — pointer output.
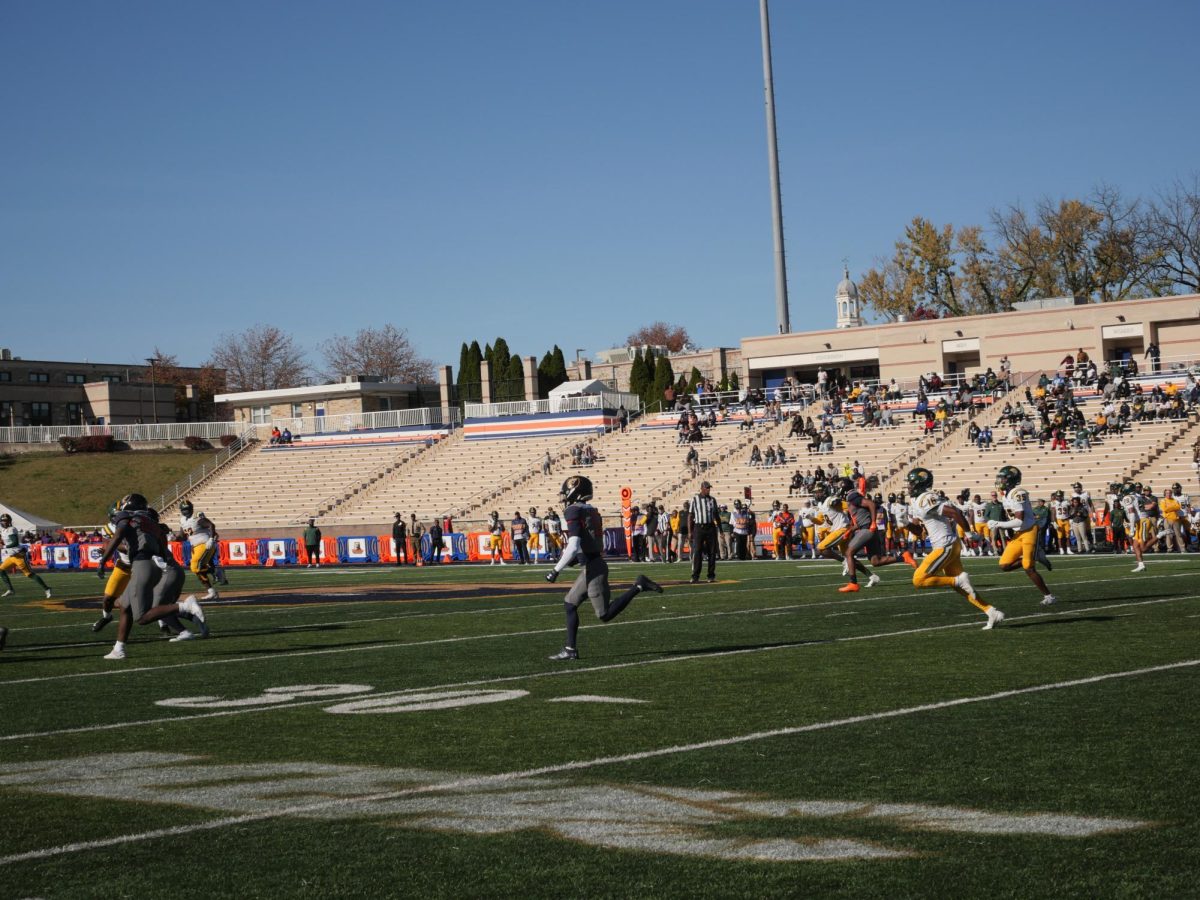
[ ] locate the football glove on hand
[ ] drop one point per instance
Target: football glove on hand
(160, 562)
(993, 524)
(101, 573)
(552, 576)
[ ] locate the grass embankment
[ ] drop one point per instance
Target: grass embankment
(77, 489)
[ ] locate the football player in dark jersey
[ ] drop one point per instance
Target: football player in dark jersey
(154, 576)
(585, 542)
(864, 535)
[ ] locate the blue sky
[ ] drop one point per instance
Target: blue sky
(550, 172)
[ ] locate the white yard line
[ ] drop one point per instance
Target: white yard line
(566, 672)
(483, 781)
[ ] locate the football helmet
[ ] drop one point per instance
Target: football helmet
(1115, 488)
(133, 502)
(1177, 488)
(576, 489)
(920, 480)
(1077, 487)
(820, 491)
(5, 521)
(964, 495)
(186, 509)
(533, 510)
(1008, 478)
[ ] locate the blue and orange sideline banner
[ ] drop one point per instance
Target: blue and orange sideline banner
(363, 549)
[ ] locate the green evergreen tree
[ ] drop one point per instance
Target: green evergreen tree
(501, 390)
(637, 374)
(694, 380)
(516, 378)
(560, 366)
(733, 381)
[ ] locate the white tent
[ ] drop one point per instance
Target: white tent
(575, 388)
(28, 521)
(590, 387)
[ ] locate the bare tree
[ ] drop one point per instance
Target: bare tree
(261, 358)
(385, 351)
(1173, 224)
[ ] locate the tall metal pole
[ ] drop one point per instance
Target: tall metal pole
(781, 293)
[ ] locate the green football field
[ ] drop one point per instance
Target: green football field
(384, 732)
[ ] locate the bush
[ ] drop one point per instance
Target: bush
(95, 443)
(227, 439)
(195, 442)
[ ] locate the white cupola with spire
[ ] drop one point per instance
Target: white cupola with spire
(849, 315)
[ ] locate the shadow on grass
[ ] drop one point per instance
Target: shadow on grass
(728, 648)
(1062, 620)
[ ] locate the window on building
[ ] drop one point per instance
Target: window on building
(39, 377)
(385, 403)
(297, 410)
(6, 414)
(74, 413)
(111, 379)
(39, 413)
(260, 415)
(5, 376)
(75, 378)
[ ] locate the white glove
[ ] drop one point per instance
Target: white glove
(160, 562)
(993, 524)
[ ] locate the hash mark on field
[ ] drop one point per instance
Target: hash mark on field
(594, 698)
(835, 615)
(913, 613)
(478, 781)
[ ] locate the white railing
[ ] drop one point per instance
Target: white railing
(203, 472)
(429, 416)
(603, 400)
(167, 431)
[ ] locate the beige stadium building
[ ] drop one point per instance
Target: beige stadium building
(1036, 337)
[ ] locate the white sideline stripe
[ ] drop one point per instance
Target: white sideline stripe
(577, 765)
(120, 670)
(555, 673)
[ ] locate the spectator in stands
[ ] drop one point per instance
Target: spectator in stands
(1082, 440)
(692, 461)
(756, 457)
(546, 463)
(1152, 354)
(781, 457)
(518, 531)
(768, 458)
(985, 438)
(312, 544)
(623, 417)
(973, 433)
(286, 437)
(275, 435)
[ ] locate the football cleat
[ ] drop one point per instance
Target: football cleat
(565, 653)
(851, 588)
(184, 635)
(908, 558)
(7, 593)
(192, 608)
(994, 618)
(873, 580)
(1049, 600)
(101, 622)
(48, 594)
(212, 594)
(1141, 567)
(647, 585)
(115, 653)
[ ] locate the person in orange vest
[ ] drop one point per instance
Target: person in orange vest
(1102, 521)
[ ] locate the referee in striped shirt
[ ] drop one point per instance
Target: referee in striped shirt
(704, 518)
